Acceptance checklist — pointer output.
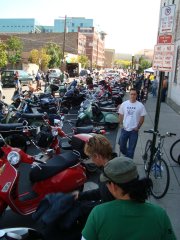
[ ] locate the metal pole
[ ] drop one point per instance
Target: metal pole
(156, 120)
(64, 39)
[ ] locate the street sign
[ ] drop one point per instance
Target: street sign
(164, 39)
(167, 19)
(163, 57)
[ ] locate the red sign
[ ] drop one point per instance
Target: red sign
(165, 39)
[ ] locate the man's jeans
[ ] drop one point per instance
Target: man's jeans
(130, 138)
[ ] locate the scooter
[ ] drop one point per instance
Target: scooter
(63, 173)
(93, 115)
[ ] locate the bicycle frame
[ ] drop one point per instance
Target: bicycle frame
(158, 152)
(156, 168)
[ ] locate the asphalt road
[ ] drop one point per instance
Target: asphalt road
(11, 219)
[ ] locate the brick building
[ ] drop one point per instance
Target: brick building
(86, 43)
(94, 46)
(74, 42)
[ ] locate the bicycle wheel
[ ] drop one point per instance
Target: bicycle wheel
(147, 154)
(175, 151)
(159, 174)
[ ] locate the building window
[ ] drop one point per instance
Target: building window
(81, 24)
(72, 30)
(72, 24)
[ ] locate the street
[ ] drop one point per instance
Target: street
(169, 120)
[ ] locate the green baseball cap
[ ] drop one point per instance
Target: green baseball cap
(119, 170)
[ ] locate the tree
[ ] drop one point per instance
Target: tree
(39, 57)
(83, 60)
(3, 55)
(55, 53)
(14, 48)
(122, 63)
(143, 64)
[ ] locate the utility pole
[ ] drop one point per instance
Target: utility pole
(64, 42)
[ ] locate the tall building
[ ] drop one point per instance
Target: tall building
(72, 24)
(18, 25)
(94, 46)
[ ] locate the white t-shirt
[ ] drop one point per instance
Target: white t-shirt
(132, 113)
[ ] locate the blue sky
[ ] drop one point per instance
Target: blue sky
(130, 25)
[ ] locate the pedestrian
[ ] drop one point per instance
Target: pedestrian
(129, 216)
(38, 79)
(154, 86)
(131, 116)
(164, 89)
(89, 82)
(1, 90)
(17, 82)
(47, 79)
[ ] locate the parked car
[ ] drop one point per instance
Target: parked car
(54, 75)
(7, 77)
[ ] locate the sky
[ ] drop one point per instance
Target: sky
(131, 25)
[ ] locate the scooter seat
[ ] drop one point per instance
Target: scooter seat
(32, 115)
(105, 103)
(87, 129)
(53, 166)
(10, 126)
(108, 109)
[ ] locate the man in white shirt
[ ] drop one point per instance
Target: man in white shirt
(131, 115)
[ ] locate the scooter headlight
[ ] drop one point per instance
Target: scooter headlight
(13, 157)
(58, 122)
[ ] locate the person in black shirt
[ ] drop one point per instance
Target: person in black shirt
(89, 81)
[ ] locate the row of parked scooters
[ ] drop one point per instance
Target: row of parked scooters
(60, 166)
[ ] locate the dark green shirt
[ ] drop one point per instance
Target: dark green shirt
(128, 220)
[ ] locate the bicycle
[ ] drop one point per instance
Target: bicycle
(175, 151)
(157, 169)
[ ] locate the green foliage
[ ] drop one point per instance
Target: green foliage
(39, 57)
(143, 64)
(55, 53)
(83, 60)
(122, 63)
(14, 49)
(3, 55)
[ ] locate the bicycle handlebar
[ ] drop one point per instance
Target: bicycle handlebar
(168, 134)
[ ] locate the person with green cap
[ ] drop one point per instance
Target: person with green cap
(129, 216)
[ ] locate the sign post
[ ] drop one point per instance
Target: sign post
(163, 60)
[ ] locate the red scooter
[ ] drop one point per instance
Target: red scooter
(62, 173)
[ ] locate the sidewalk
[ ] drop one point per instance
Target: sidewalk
(168, 122)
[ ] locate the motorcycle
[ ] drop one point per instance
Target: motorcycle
(63, 173)
(93, 115)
